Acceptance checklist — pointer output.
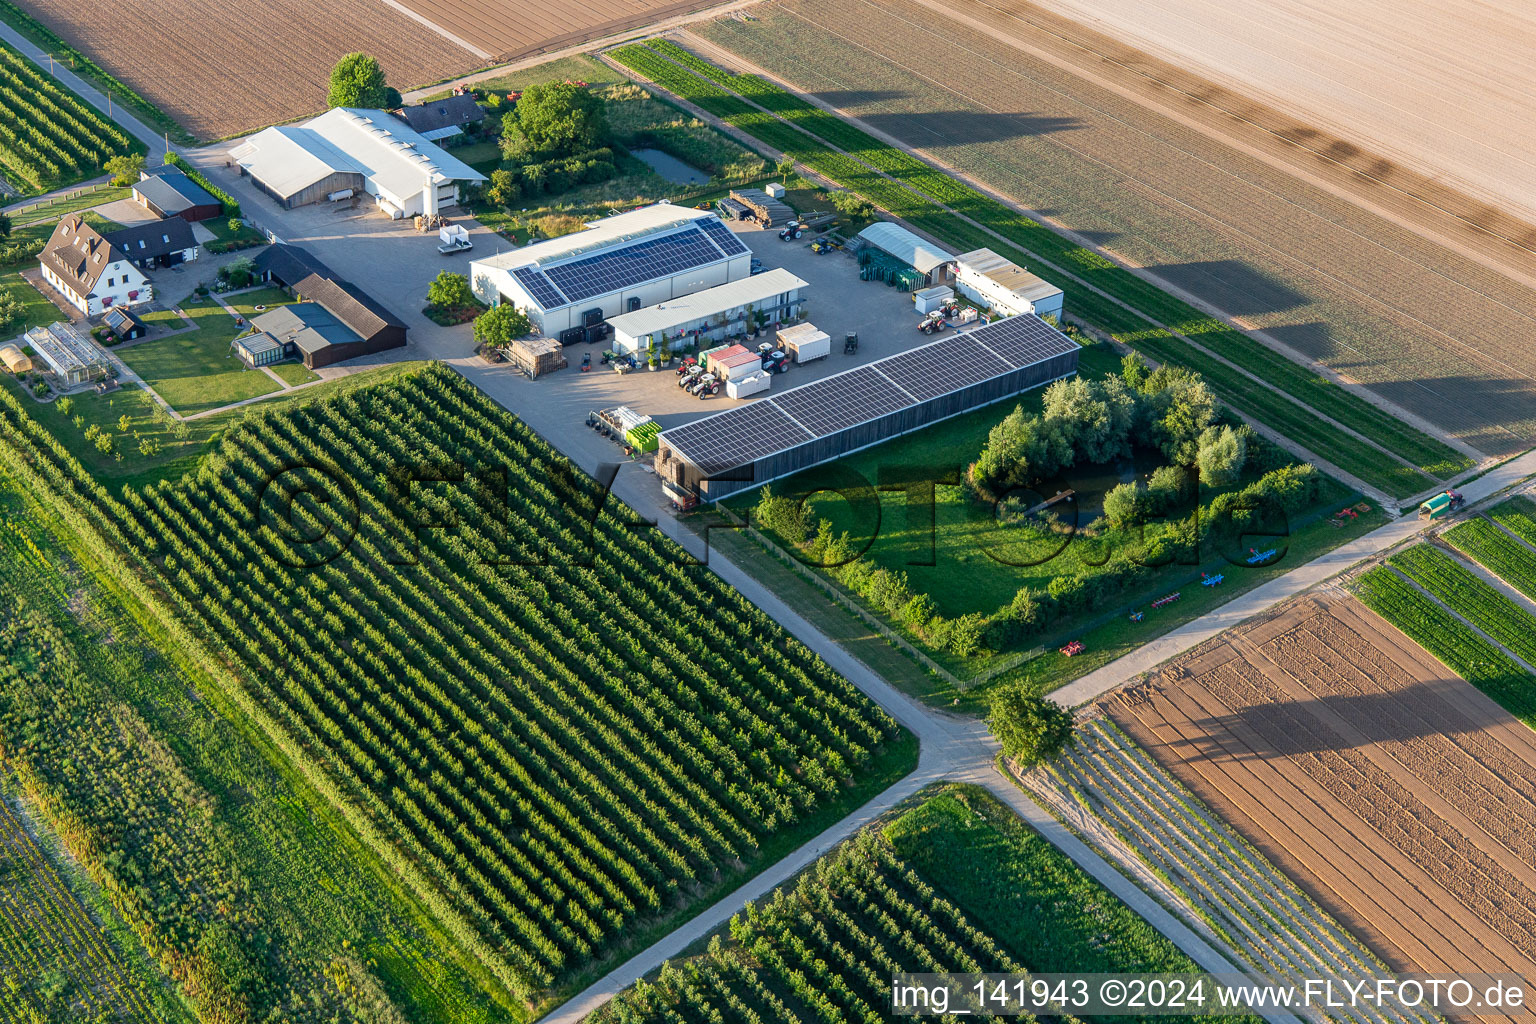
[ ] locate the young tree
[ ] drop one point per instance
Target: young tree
(504, 189)
(1031, 729)
(785, 167)
(357, 80)
(554, 119)
(5, 225)
(1125, 505)
(450, 291)
(499, 325)
(125, 168)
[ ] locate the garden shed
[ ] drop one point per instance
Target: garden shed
(773, 437)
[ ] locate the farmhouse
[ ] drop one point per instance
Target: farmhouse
(86, 269)
(160, 243)
(167, 192)
(1004, 286)
(68, 355)
(910, 250)
(617, 265)
(335, 320)
(711, 314)
(444, 118)
(364, 151)
(815, 423)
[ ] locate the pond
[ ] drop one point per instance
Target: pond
(671, 168)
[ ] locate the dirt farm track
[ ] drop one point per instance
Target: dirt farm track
(1068, 124)
(1400, 797)
(221, 68)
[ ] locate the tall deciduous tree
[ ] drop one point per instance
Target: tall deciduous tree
(553, 119)
(1031, 729)
(357, 80)
(125, 168)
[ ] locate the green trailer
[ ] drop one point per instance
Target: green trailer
(1442, 504)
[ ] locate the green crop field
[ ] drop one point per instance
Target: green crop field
(1117, 300)
(956, 884)
(1518, 516)
(1469, 596)
(560, 734)
(1447, 638)
(48, 135)
(1507, 558)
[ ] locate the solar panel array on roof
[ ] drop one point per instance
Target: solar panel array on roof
(645, 260)
(842, 401)
(735, 438)
(724, 237)
(783, 421)
(533, 279)
(945, 366)
(1021, 340)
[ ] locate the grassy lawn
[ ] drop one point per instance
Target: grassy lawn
(484, 156)
(180, 446)
(163, 318)
(294, 373)
(222, 231)
(51, 211)
(198, 371)
(246, 302)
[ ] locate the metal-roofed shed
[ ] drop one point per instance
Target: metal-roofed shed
(793, 430)
(916, 252)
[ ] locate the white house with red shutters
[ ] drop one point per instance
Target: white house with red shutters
(86, 269)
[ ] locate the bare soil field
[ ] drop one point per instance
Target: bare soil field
(508, 31)
(1446, 88)
(1423, 324)
(222, 68)
(1399, 797)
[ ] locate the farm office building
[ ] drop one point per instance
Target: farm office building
(711, 314)
(986, 278)
(815, 423)
(357, 150)
(618, 265)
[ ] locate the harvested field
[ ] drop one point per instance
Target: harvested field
(509, 31)
(1432, 330)
(223, 68)
(1400, 798)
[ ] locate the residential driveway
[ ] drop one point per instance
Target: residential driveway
(126, 212)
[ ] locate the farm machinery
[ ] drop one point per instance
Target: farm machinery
(1442, 504)
(774, 360)
(703, 386)
(1073, 649)
(933, 323)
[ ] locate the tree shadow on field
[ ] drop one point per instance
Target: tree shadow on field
(1341, 722)
(846, 99)
(1233, 286)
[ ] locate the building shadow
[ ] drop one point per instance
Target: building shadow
(1232, 285)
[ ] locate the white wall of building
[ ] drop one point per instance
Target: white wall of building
(117, 281)
(983, 290)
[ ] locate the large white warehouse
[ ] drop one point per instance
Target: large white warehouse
(710, 315)
(357, 150)
(617, 265)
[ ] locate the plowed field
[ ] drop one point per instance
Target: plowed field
(507, 31)
(1401, 798)
(221, 68)
(1420, 324)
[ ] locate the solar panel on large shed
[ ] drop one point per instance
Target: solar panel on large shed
(1023, 340)
(945, 366)
(645, 260)
(724, 237)
(735, 438)
(539, 287)
(843, 401)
